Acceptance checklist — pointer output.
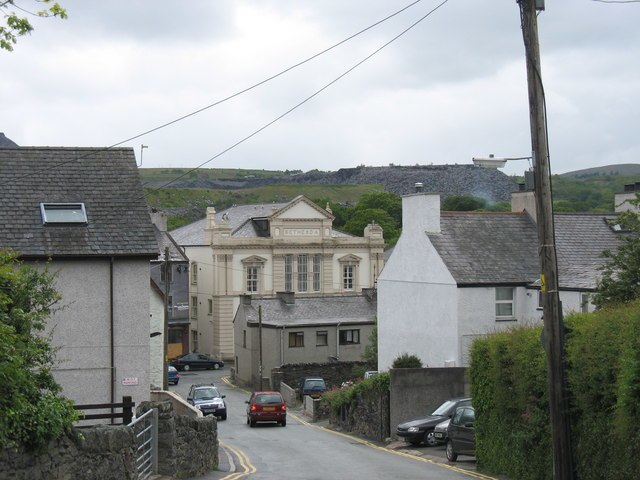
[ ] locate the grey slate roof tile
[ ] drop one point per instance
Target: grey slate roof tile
(239, 219)
(105, 180)
(502, 248)
(313, 311)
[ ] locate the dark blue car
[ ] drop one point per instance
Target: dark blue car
(172, 375)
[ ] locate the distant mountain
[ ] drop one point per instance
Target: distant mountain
(488, 183)
(620, 169)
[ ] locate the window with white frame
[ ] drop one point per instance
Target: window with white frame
(252, 279)
(288, 273)
(194, 307)
(302, 273)
(348, 277)
(296, 339)
(505, 303)
(316, 272)
(349, 337)
(194, 273)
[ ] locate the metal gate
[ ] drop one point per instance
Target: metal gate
(145, 428)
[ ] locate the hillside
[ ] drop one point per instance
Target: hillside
(490, 184)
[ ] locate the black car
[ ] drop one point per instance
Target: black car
(460, 436)
(191, 361)
(208, 400)
(421, 429)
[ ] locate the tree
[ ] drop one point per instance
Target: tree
(15, 26)
(31, 410)
(370, 354)
(620, 279)
(363, 217)
(463, 203)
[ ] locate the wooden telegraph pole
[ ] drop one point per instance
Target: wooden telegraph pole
(165, 327)
(553, 331)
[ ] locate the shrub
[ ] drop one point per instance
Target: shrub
(31, 410)
(407, 361)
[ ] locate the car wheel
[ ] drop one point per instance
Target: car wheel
(451, 455)
(186, 368)
(252, 423)
(223, 416)
(216, 366)
(430, 439)
(283, 423)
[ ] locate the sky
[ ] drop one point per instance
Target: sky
(451, 88)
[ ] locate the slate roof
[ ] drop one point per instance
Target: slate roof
(165, 240)
(312, 311)
(239, 219)
(502, 248)
(105, 180)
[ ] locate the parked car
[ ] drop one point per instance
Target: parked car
(172, 375)
(312, 386)
(421, 429)
(461, 439)
(190, 361)
(266, 407)
(440, 432)
(208, 400)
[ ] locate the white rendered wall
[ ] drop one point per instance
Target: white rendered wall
(156, 344)
(82, 330)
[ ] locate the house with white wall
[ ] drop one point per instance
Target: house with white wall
(265, 249)
(455, 276)
(82, 211)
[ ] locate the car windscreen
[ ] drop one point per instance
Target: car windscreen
(268, 398)
(444, 409)
(205, 394)
(314, 384)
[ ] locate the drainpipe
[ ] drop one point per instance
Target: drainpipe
(112, 336)
(282, 346)
(338, 342)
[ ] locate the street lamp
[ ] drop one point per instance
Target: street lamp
(496, 162)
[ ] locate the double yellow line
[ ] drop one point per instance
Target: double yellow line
(244, 463)
(248, 468)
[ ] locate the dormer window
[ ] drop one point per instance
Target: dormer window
(57, 213)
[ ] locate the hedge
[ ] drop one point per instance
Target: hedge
(509, 389)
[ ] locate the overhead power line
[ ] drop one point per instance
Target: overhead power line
(225, 99)
(317, 92)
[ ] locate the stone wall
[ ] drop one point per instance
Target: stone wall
(100, 453)
(367, 416)
(187, 446)
(333, 373)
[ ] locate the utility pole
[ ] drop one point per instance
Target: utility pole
(553, 330)
(260, 343)
(165, 336)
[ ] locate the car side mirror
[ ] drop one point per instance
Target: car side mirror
(223, 396)
(246, 401)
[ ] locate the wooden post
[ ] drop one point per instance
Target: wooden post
(553, 333)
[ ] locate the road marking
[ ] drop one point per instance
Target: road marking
(244, 462)
(365, 443)
(394, 452)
